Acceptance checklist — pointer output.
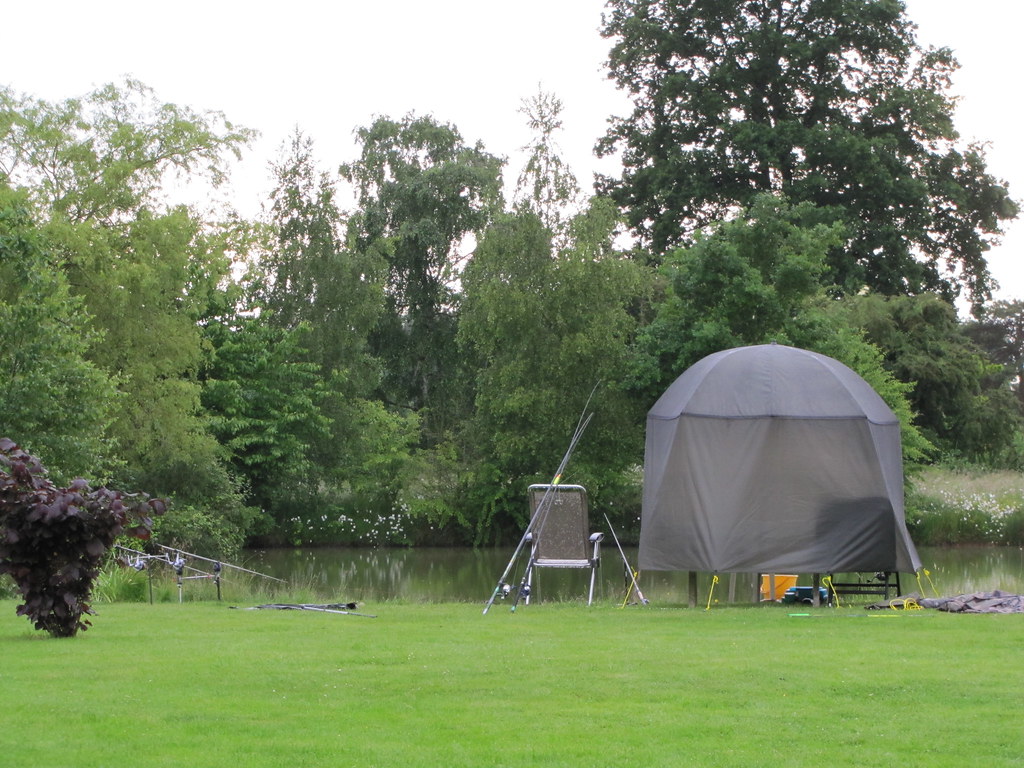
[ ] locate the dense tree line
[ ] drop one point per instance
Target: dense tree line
(401, 370)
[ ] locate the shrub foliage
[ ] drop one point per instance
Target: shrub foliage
(53, 540)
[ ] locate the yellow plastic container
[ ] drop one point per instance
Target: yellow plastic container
(783, 581)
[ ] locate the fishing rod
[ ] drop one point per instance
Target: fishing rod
(541, 515)
(218, 562)
(632, 573)
(544, 505)
(141, 558)
(503, 587)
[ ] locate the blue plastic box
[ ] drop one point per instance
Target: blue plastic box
(804, 595)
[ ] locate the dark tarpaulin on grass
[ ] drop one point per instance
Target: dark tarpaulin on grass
(340, 608)
(996, 601)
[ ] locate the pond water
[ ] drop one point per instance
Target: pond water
(470, 575)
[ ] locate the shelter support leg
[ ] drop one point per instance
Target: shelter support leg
(757, 588)
(816, 593)
(692, 589)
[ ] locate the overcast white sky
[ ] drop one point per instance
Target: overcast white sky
(329, 67)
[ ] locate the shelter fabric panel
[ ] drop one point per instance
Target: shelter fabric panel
(771, 380)
(769, 459)
(767, 495)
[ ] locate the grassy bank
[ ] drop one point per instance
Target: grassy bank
(552, 685)
(949, 507)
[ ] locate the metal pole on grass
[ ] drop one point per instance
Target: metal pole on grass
(632, 573)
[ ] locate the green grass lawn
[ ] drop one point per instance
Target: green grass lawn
(200, 684)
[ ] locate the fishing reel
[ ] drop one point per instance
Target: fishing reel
(504, 590)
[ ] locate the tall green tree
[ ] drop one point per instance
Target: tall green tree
(147, 284)
(423, 195)
(301, 448)
(1000, 333)
(98, 169)
(753, 280)
(105, 156)
(293, 384)
(827, 101)
(546, 184)
(264, 404)
(749, 280)
(311, 276)
(544, 328)
(962, 402)
(53, 399)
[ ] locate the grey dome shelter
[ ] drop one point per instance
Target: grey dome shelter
(773, 459)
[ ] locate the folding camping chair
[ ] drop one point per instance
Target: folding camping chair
(558, 533)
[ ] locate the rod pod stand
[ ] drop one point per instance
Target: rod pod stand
(179, 569)
(629, 569)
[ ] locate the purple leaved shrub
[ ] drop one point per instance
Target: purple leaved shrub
(53, 540)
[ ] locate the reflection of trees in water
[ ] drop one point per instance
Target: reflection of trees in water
(957, 570)
(468, 575)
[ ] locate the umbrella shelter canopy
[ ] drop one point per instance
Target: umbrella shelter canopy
(770, 459)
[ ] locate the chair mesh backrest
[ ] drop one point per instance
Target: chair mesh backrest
(561, 528)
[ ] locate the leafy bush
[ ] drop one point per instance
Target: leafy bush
(7, 587)
(196, 530)
(53, 540)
